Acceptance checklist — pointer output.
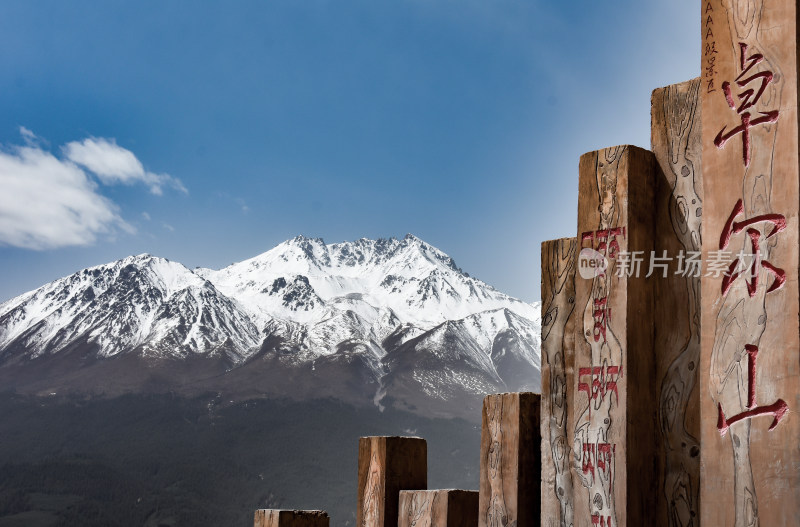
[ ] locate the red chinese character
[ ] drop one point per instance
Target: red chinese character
(777, 409)
(735, 227)
(748, 98)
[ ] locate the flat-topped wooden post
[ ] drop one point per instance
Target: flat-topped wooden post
(750, 347)
(558, 360)
(614, 435)
(675, 141)
(387, 465)
(438, 508)
(290, 518)
(510, 478)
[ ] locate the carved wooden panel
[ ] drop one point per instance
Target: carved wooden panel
(438, 508)
(558, 360)
(510, 482)
(290, 518)
(614, 434)
(387, 465)
(675, 113)
(750, 345)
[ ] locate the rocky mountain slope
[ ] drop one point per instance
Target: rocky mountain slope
(384, 322)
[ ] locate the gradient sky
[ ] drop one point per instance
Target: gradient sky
(208, 132)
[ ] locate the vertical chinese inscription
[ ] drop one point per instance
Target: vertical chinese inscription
(558, 303)
(613, 391)
(750, 367)
(676, 143)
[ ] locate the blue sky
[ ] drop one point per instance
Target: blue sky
(208, 132)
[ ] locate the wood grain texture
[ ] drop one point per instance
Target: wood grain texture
(750, 344)
(615, 441)
(676, 143)
(387, 465)
(290, 518)
(438, 508)
(558, 359)
(510, 483)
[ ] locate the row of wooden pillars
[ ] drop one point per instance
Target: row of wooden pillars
(670, 363)
(393, 477)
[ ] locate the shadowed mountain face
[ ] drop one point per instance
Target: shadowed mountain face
(386, 323)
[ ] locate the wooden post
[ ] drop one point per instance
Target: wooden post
(750, 346)
(438, 508)
(290, 518)
(675, 113)
(510, 483)
(614, 435)
(387, 465)
(558, 361)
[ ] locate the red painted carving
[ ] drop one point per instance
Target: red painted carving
(603, 381)
(605, 241)
(602, 521)
(732, 227)
(748, 98)
(777, 409)
(601, 315)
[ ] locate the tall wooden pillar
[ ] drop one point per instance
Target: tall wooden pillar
(614, 433)
(675, 113)
(387, 465)
(558, 360)
(750, 346)
(510, 483)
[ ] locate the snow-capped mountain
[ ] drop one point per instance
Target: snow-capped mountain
(386, 321)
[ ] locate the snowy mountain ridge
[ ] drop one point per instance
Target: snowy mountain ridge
(374, 308)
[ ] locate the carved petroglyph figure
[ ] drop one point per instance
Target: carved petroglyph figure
(421, 507)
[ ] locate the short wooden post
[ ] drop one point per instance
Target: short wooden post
(387, 465)
(290, 518)
(438, 508)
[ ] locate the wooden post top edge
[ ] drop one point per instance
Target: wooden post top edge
(392, 437)
(682, 83)
(566, 239)
(436, 490)
(632, 148)
(295, 511)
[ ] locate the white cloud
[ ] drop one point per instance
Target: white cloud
(48, 202)
(146, 216)
(113, 164)
(168, 227)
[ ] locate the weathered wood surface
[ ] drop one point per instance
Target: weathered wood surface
(750, 346)
(615, 443)
(387, 465)
(558, 359)
(290, 518)
(438, 508)
(510, 484)
(675, 141)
